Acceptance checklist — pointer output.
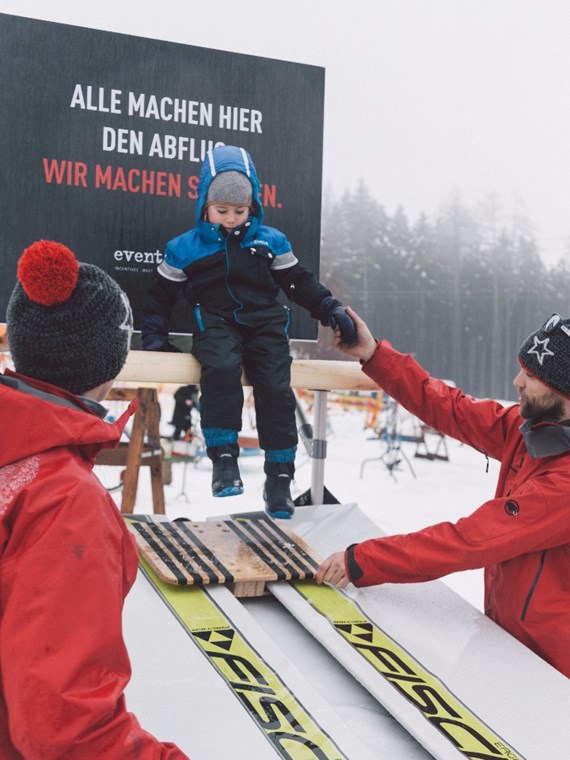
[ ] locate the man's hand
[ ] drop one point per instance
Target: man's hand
(365, 343)
(333, 571)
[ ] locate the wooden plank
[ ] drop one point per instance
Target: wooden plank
(157, 367)
(242, 553)
(143, 367)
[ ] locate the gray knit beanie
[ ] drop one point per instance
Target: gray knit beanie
(232, 188)
(546, 354)
(68, 323)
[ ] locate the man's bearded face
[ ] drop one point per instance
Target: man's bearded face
(545, 406)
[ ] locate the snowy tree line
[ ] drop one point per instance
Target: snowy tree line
(460, 291)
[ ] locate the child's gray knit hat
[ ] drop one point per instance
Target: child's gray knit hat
(232, 188)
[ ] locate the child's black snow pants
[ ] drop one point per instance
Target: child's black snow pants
(224, 348)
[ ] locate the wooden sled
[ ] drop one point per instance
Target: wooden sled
(241, 553)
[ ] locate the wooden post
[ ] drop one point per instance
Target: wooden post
(143, 448)
(145, 421)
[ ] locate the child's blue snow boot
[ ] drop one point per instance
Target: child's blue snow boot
(277, 489)
(226, 480)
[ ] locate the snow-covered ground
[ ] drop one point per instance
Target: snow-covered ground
(416, 493)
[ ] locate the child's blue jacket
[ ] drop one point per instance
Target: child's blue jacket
(237, 275)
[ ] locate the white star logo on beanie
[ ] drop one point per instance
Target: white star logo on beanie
(540, 349)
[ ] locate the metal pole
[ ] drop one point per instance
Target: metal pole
(319, 448)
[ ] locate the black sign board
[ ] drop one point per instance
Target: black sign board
(102, 137)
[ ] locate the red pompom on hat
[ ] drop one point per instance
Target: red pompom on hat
(48, 272)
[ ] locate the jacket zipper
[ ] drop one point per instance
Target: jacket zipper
(228, 286)
(534, 583)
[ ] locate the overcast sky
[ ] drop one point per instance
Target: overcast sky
(422, 96)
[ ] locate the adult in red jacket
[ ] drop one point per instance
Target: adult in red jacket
(67, 560)
(522, 535)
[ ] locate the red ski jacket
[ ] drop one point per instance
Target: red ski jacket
(521, 536)
(67, 562)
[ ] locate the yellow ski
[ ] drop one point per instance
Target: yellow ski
(287, 725)
(473, 738)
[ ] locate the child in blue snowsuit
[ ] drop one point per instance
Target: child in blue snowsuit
(230, 267)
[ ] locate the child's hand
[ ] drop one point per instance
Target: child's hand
(339, 320)
(364, 343)
(333, 314)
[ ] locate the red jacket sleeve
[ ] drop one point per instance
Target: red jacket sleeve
(482, 424)
(490, 535)
(64, 575)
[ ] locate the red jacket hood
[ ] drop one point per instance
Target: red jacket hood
(33, 423)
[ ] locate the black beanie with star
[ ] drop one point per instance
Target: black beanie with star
(546, 354)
